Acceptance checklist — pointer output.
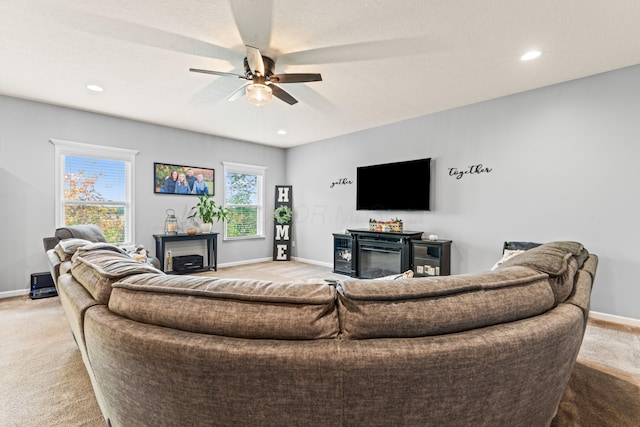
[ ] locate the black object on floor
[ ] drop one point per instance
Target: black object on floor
(42, 286)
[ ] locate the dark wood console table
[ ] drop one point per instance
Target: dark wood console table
(212, 246)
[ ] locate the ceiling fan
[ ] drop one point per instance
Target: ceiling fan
(259, 70)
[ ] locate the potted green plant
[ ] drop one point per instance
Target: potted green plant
(208, 211)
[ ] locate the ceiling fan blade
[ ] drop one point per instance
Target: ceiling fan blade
(254, 20)
(238, 93)
(365, 51)
(94, 22)
(296, 78)
(282, 94)
(217, 73)
(254, 58)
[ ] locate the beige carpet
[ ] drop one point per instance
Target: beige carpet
(43, 381)
(42, 377)
(604, 389)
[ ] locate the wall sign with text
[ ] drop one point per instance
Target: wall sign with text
(341, 181)
(283, 216)
(470, 170)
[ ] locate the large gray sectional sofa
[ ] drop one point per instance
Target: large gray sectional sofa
(490, 349)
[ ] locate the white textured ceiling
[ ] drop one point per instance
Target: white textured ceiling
(382, 61)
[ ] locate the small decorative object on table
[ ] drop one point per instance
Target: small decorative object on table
(171, 223)
(393, 225)
(191, 226)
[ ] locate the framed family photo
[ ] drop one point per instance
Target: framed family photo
(179, 179)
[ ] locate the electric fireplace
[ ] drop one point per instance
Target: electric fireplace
(382, 254)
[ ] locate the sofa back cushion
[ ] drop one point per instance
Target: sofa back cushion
(97, 266)
(440, 305)
(229, 307)
(560, 260)
(89, 232)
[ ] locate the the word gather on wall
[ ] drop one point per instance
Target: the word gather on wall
(341, 181)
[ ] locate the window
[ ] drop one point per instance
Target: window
(94, 185)
(244, 198)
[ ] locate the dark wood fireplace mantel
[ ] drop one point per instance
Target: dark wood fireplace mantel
(367, 254)
(417, 235)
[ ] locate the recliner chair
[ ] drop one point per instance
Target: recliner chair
(89, 232)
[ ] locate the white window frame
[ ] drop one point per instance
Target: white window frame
(70, 148)
(260, 172)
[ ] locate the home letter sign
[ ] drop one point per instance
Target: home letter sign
(282, 223)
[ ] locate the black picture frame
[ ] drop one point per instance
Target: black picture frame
(164, 184)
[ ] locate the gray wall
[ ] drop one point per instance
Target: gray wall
(563, 162)
(27, 171)
(564, 167)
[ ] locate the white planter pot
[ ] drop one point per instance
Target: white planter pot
(206, 228)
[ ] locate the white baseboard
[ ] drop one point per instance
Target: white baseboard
(614, 319)
(17, 293)
(314, 262)
(250, 261)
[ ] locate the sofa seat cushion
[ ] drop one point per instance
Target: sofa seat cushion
(439, 305)
(99, 265)
(229, 307)
(560, 260)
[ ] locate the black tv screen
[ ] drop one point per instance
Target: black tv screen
(394, 186)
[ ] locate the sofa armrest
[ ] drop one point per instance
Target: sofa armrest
(54, 266)
(154, 262)
(50, 243)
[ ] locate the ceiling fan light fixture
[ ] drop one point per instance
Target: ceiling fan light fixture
(260, 88)
(259, 94)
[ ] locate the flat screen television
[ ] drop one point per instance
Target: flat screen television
(402, 186)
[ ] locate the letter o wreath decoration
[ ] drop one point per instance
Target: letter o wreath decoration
(283, 214)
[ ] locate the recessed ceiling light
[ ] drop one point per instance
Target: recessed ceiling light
(531, 55)
(282, 132)
(95, 88)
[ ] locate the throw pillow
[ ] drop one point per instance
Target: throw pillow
(508, 254)
(67, 247)
(406, 275)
